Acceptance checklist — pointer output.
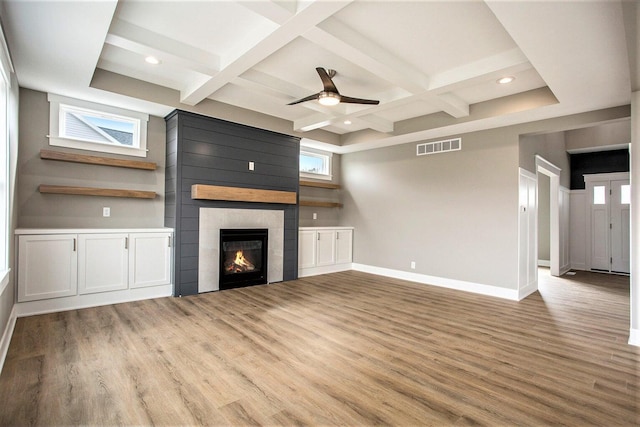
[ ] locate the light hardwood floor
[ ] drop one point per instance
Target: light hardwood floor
(346, 348)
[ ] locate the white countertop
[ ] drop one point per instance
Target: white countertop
(337, 227)
(21, 231)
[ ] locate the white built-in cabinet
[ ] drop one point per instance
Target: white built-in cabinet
(103, 262)
(77, 263)
(47, 266)
(324, 250)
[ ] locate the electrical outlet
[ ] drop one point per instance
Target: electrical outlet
(106, 211)
(413, 265)
(252, 166)
(315, 215)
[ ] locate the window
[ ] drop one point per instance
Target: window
(599, 195)
(87, 126)
(315, 164)
(8, 118)
(625, 194)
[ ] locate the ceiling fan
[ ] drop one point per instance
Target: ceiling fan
(330, 95)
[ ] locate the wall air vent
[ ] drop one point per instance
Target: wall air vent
(454, 144)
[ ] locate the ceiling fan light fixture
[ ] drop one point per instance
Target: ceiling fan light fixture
(328, 99)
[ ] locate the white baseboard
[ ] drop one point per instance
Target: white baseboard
(460, 285)
(6, 336)
(544, 263)
(314, 271)
(578, 266)
(53, 305)
(634, 337)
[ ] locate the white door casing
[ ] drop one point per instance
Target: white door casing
(553, 172)
(527, 234)
(620, 228)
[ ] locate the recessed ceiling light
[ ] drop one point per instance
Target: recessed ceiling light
(506, 80)
(347, 122)
(152, 60)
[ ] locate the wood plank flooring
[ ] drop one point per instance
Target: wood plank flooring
(342, 349)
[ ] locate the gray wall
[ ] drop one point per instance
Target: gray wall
(62, 211)
(552, 147)
(544, 217)
(614, 133)
(454, 214)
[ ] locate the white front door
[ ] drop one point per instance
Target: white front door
(610, 201)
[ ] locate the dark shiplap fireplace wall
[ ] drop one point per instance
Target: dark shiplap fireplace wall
(204, 150)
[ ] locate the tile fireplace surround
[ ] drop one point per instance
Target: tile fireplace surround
(214, 219)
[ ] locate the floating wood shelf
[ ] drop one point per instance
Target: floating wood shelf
(88, 191)
(315, 204)
(320, 185)
(95, 160)
(237, 194)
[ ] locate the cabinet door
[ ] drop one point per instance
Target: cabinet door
(47, 266)
(326, 244)
(307, 249)
(344, 246)
(102, 262)
(149, 259)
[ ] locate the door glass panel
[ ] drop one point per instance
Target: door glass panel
(625, 194)
(599, 195)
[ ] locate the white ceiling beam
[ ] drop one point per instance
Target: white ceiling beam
(285, 87)
(450, 104)
(511, 61)
(307, 18)
(313, 122)
(349, 44)
(376, 123)
(144, 42)
(274, 11)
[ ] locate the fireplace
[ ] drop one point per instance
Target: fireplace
(243, 257)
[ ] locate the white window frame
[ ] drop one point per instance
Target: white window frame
(326, 156)
(6, 70)
(58, 105)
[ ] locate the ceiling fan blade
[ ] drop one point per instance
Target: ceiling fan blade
(305, 99)
(350, 100)
(326, 81)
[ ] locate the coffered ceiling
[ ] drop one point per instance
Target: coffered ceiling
(433, 65)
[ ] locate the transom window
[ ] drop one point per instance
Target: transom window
(315, 164)
(89, 126)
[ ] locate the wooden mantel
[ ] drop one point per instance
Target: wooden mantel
(238, 194)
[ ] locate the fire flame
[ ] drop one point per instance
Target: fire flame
(240, 264)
